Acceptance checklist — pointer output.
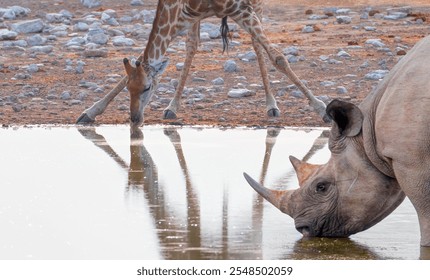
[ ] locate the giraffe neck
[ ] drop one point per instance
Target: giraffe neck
(163, 31)
(156, 49)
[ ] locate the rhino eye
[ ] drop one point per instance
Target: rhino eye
(321, 187)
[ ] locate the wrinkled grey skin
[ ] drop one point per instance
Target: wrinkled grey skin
(380, 152)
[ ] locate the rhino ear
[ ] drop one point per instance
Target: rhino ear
(347, 116)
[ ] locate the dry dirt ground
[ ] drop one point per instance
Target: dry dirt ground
(284, 21)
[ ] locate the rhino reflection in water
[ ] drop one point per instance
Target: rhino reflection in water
(380, 152)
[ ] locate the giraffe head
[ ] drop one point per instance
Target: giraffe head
(142, 82)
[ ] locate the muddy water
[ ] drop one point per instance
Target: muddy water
(95, 193)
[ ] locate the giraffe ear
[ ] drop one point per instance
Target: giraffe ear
(160, 67)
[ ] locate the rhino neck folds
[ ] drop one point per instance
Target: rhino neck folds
(370, 148)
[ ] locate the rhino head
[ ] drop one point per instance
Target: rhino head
(346, 195)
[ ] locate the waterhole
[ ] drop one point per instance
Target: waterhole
(167, 193)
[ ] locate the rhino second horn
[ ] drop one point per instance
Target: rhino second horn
(277, 198)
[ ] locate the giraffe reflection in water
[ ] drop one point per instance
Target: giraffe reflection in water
(177, 241)
(185, 241)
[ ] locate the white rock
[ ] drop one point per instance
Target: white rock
(179, 66)
(91, 3)
(218, 81)
(136, 3)
(291, 50)
(240, 92)
(55, 17)
(28, 26)
(122, 41)
(230, 66)
(343, 11)
(375, 42)
(327, 83)
(376, 75)
(343, 54)
(396, 16)
(343, 19)
(341, 90)
(308, 29)
(6, 34)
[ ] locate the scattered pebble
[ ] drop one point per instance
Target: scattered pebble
(327, 83)
(291, 51)
(36, 40)
(95, 53)
(396, 16)
(75, 102)
(318, 17)
(33, 68)
(343, 19)
(218, 81)
(375, 43)
(297, 94)
(28, 26)
(123, 107)
(82, 95)
(343, 11)
(341, 90)
(239, 93)
(364, 15)
(22, 76)
(14, 12)
(65, 95)
(6, 34)
(249, 56)
(179, 66)
(97, 36)
(376, 75)
(343, 54)
(91, 3)
(41, 49)
(370, 28)
(230, 66)
(17, 108)
(136, 3)
(365, 64)
(122, 41)
(308, 29)
(81, 27)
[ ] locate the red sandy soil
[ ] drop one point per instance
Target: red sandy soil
(284, 27)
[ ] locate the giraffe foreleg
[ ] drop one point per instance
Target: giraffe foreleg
(272, 108)
(191, 45)
(249, 22)
(90, 114)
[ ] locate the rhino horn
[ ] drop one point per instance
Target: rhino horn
(303, 169)
(278, 198)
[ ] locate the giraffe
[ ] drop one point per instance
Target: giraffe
(175, 16)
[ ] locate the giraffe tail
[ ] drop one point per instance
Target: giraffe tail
(224, 34)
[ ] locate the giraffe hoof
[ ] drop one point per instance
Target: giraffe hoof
(84, 119)
(169, 114)
(274, 112)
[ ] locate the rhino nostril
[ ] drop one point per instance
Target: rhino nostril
(305, 230)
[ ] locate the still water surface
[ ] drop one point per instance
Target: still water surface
(165, 193)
